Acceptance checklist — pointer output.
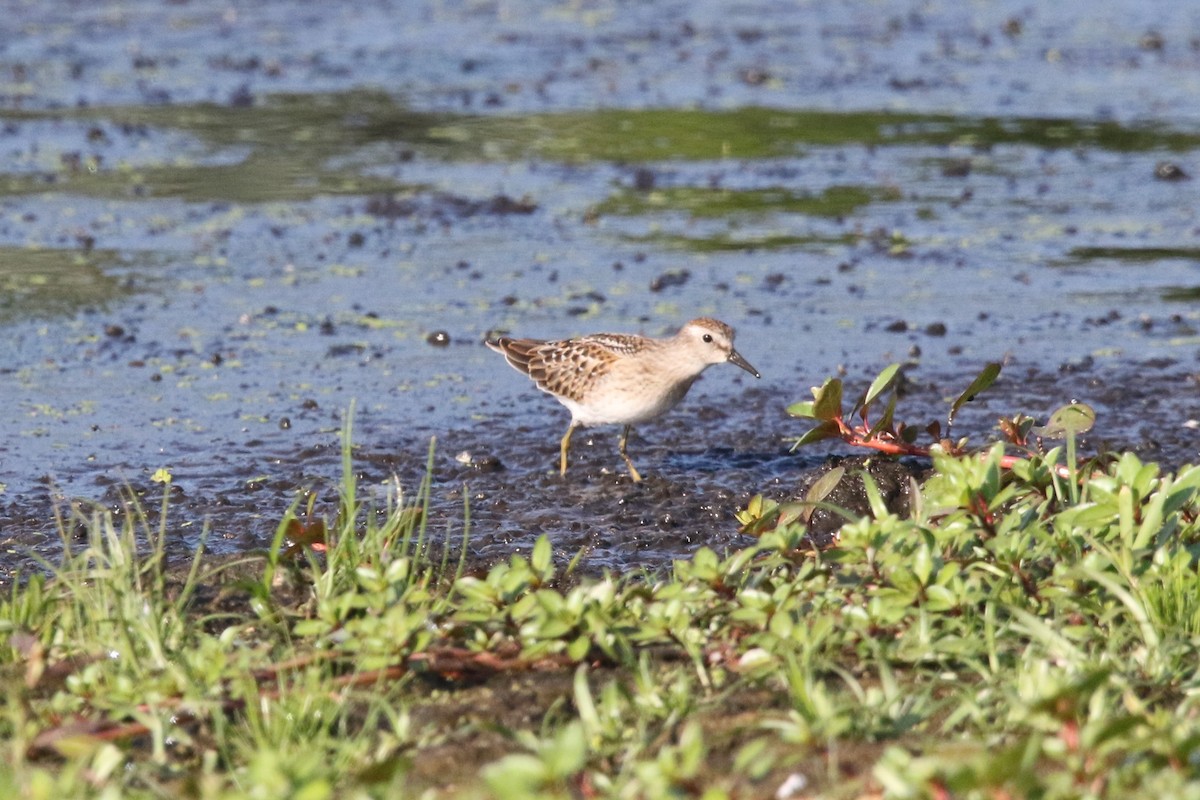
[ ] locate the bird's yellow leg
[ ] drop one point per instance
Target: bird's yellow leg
(562, 450)
(633, 473)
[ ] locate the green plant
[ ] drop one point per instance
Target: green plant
(889, 436)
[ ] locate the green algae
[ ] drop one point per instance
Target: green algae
(756, 132)
(295, 146)
(1182, 294)
(260, 178)
(723, 242)
(53, 282)
(1135, 255)
(835, 201)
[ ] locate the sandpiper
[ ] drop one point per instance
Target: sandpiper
(617, 378)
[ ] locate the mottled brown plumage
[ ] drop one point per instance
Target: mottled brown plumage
(564, 368)
(608, 378)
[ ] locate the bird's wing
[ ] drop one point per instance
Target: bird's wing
(517, 352)
(566, 368)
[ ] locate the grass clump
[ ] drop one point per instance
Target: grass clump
(1015, 636)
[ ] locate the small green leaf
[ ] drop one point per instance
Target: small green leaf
(916, 500)
(819, 491)
(564, 755)
(884, 423)
(824, 485)
(982, 381)
(759, 525)
(758, 515)
(790, 512)
(879, 508)
(878, 386)
(705, 561)
(540, 560)
(753, 509)
(1073, 418)
(827, 401)
(516, 775)
(802, 409)
(826, 430)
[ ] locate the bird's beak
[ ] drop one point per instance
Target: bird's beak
(736, 358)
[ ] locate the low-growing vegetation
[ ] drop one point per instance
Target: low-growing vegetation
(1031, 629)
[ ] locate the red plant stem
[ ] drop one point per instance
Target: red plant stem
(858, 437)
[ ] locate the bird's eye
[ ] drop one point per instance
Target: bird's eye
(708, 338)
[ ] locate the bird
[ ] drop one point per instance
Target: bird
(619, 378)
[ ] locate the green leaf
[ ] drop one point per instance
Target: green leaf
(826, 430)
(982, 381)
(578, 648)
(827, 401)
(812, 498)
(585, 703)
(540, 560)
(802, 409)
(884, 423)
(515, 776)
(824, 485)
(752, 511)
(881, 383)
(922, 564)
(790, 512)
(564, 755)
(756, 758)
(705, 563)
(1073, 418)
(691, 749)
(879, 507)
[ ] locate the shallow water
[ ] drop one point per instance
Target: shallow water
(222, 227)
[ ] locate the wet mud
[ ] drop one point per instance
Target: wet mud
(219, 234)
(498, 481)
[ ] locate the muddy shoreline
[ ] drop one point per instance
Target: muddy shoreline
(702, 463)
